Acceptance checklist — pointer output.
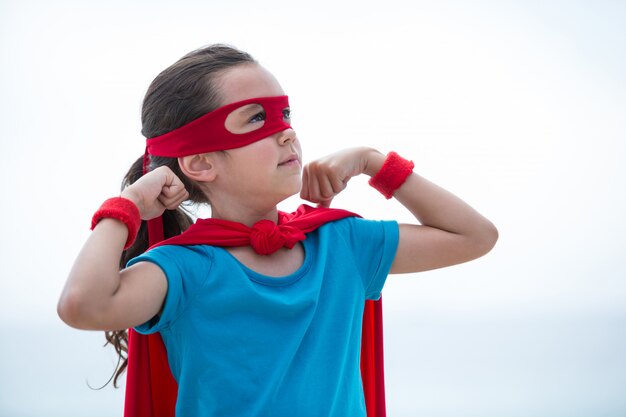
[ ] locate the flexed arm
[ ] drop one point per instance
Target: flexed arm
(448, 231)
(97, 295)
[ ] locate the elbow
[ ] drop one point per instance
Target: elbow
(486, 239)
(68, 308)
(71, 308)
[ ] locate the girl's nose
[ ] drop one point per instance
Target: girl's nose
(286, 136)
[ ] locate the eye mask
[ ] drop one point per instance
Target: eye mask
(209, 133)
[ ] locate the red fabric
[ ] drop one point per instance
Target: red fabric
(265, 236)
(121, 209)
(372, 355)
(151, 390)
(163, 385)
(392, 174)
(138, 400)
(208, 133)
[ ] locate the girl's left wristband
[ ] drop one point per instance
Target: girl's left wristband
(121, 209)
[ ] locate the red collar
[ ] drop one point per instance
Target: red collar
(265, 236)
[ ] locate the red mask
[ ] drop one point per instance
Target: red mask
(209, 133)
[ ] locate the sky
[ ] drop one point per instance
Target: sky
(518, 107)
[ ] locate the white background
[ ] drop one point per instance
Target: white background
(519, 107)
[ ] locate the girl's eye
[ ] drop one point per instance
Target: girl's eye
(287, 113)
(259, 117)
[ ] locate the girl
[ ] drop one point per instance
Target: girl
(260, 311)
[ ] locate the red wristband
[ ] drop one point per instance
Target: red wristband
(392, 174)
(121, 209)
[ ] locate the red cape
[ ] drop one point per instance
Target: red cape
(151, 390)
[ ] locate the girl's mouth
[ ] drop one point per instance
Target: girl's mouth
(291, 161)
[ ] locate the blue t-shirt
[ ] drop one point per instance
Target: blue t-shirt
(244, 344)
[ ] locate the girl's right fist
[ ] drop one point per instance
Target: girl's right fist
(156, 191)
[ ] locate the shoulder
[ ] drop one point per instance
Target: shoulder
(175, 253)
(359, 226)
(361, 235)
(179, 261)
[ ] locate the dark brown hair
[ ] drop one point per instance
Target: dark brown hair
(181, 93)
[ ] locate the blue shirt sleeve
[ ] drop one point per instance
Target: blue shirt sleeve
(176, 262)
(374, 244)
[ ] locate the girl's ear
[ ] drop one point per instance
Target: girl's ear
(200, 167)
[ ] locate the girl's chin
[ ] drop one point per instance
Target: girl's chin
(292, 191)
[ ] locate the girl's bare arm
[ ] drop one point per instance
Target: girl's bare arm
(97, 295)
(448, 231)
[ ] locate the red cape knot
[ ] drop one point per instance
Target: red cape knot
(266, 237)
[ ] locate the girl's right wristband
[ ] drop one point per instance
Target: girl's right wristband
(392, 174)
(121, 209)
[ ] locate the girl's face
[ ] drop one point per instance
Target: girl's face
(266, 171)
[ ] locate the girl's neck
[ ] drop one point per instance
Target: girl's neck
(244, 214)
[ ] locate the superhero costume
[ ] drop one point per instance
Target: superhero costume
(150, 388)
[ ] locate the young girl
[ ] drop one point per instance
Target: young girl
(260, 311)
